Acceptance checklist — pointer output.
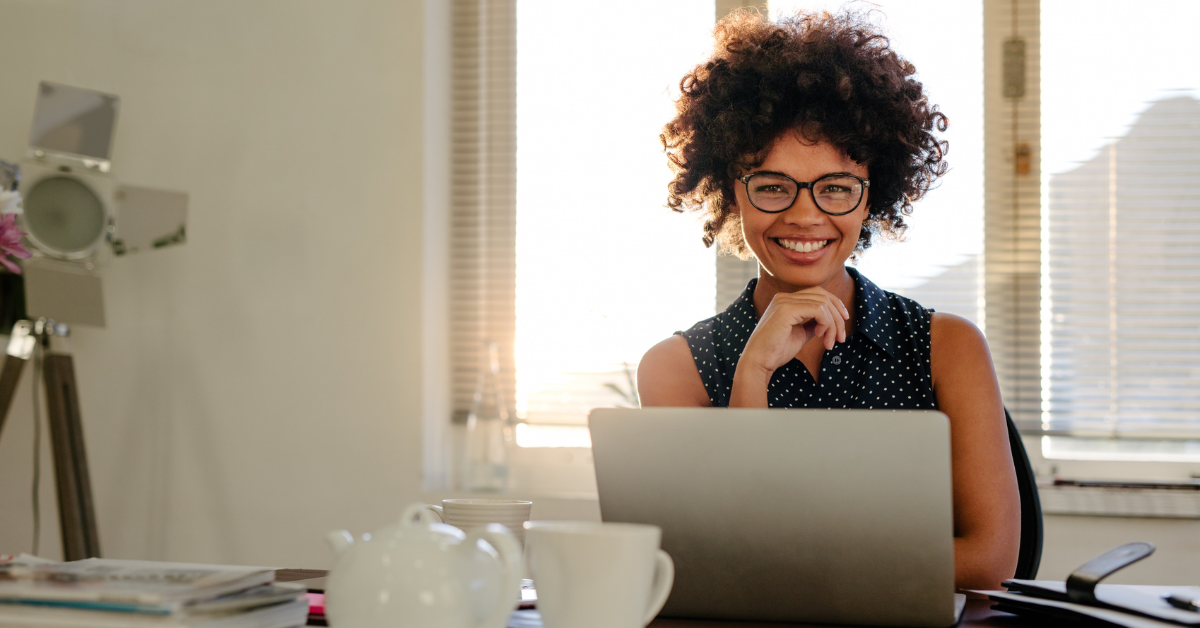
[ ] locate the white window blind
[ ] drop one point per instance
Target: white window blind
(483, 196)
(732, 275)
(1012, 202)
(1121, 123)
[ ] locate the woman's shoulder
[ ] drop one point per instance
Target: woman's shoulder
(667, 376)
(956, 346)
(692, 367)
(954, 335)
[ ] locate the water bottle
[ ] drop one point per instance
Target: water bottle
(489, 432)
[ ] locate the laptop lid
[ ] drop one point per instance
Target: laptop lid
(824, 516)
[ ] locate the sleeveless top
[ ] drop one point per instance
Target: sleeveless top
(883, 364)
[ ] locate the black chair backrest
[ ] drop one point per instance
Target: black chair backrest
(1030, 554)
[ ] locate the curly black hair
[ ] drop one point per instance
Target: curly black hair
(831, 77)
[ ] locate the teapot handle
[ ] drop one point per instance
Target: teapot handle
(506, 545)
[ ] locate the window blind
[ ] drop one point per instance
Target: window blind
(1122, 350)
(955, 290)
(1012, 202)
(732, 276)
(483, 197)
(1124, 271)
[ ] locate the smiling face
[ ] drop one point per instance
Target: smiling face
(802, 246)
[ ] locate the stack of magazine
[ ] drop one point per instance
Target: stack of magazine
(105, 593)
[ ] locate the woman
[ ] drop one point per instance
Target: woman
(801, 141)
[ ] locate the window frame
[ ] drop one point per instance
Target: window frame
(1008, 216)
(1013, 213)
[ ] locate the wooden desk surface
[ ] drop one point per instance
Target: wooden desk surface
(978, 613)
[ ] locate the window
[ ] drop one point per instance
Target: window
(604, 269)
(1079, 277)
(1121, 265)
(596, 250)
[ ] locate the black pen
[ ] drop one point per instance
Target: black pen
(1184, 602)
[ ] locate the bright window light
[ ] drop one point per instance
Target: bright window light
(538, 435)
(604, 269)
(1126, 449)
(1121, 341)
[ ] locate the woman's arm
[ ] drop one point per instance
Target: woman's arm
(667, 376)
(987, 507)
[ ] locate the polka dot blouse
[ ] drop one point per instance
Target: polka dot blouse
(883, 364)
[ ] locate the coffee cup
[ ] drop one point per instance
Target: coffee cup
(598, 575)
(466, 514)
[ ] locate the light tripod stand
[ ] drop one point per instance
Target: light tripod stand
(77, 518)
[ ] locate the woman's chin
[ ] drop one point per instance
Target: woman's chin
(801, 278)
(802, 271)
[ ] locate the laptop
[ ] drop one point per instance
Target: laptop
(820, 516)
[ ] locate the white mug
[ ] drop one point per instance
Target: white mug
(598, 575)
(467, 514)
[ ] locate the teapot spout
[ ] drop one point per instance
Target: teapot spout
(339, 541)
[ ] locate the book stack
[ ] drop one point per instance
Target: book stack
(104, 593)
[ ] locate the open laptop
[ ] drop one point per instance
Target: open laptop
(822, 516)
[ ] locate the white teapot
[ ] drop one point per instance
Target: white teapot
(425, 574)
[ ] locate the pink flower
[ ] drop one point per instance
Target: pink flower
(10, 242)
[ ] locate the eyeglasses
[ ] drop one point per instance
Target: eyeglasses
(835, 194)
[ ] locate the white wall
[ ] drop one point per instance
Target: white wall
(260, 385)
(1071, 541)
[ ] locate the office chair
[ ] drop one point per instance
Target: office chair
(1030, 554)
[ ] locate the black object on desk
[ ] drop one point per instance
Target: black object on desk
(1081, 584)
(1184, 602)
(1082, 598)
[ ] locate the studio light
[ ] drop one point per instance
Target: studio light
(77, 217)
(77, 214)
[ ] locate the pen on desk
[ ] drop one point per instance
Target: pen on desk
(1182, 601)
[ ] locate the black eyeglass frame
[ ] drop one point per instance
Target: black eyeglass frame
(800, 185)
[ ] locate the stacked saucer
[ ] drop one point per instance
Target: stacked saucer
(466, 514)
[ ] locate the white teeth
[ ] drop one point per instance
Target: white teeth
(803, 247)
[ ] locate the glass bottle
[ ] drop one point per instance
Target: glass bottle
(488, 430)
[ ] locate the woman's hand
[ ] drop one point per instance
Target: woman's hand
(790, 322)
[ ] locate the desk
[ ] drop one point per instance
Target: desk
(978, 613)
